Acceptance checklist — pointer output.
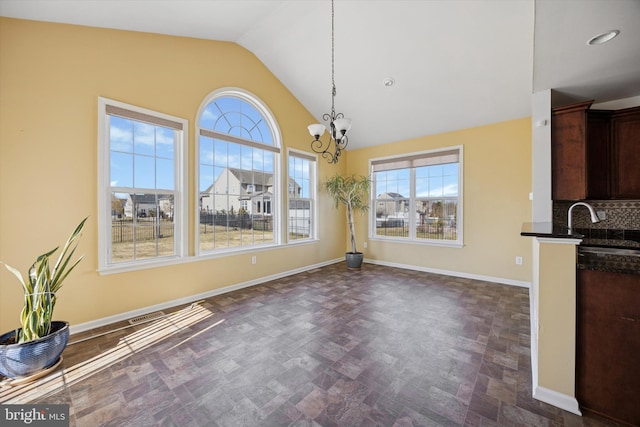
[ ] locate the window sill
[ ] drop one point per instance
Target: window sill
(141, 265)
(301, 242)
(437, 243)
(163, 262)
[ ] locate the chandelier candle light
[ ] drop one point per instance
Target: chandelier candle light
(337, 122)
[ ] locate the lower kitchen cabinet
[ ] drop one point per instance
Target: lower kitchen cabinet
(608, 345)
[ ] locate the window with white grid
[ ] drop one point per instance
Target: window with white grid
(142, 186)
(301, 192)
(238, 173)
(418, 197)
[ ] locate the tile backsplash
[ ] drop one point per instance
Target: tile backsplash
(620, 214)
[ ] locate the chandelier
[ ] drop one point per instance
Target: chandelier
(338, 125)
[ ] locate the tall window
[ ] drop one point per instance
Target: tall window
(141, 183)
(238, 180)
(418, 197)
(301, 192)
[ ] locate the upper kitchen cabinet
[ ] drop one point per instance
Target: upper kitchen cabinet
(598, 154)
(569, 151)
(625, 131)
(595, 154)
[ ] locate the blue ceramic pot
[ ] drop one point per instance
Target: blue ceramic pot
(24, 359)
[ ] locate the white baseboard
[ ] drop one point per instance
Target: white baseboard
(562, 401)
(500, 280)
(534, 348)
(74, 329)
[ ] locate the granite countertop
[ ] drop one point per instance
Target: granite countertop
(612, 250)
(612, 262)
(595, 238)
(589, 236)
(548, 229)
(615, 238)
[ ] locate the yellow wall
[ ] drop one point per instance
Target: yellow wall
(557, 315)
(51, 76)
(497, 182)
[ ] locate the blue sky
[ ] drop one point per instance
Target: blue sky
(141, 155)
(431, 181)
(236, 117)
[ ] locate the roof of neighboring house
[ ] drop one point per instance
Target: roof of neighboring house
(256, 195)
(252, 177)
(391, 196)
(147, 199)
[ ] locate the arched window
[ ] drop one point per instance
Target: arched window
(238, 173)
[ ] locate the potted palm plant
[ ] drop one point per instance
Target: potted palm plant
(39, 342)
(353, 192)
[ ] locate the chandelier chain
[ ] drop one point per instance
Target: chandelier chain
(338, 124)
(333, 44)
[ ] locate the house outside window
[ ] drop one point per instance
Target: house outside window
(142, 192)
(301, 196)
(238, 158)
(418, 197)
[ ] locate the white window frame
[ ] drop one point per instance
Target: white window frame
(313, 196)
(459, 242)
(180, 214)
(276, 137)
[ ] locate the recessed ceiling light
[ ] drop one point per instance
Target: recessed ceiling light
(604, 37)
(388, 82)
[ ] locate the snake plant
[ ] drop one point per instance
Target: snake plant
(41, 287)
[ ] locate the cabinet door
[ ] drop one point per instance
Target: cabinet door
(608, 344)
(625, 126)
(568, 152)
(598, 154)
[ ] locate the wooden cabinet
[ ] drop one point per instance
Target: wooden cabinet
(595, 154)
(569, 152)
(608, 344)
(599, 162)
(625, 131)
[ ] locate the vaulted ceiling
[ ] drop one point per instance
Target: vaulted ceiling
(455, 63)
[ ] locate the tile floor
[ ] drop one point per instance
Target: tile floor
(329, 347)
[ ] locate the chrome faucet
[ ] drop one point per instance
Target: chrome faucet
(594, 215)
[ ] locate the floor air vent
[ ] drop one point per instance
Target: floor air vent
(146, 317)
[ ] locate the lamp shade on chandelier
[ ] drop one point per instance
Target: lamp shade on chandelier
(338, 124)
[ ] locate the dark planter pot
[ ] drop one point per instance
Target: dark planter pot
(25, 359)
(354, 259)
